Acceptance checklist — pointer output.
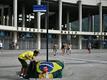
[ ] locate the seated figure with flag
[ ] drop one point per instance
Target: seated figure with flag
(45, 70)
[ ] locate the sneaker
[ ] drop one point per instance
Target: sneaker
(25, 76)
(54, 54)
(21, 75)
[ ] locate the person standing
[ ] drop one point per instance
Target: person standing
(1, 45)
(23, 57)
(55, 47)
(69, 47)
(63, 49)
(89, 47)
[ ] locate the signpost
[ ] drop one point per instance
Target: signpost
(43, 8)
(46, 65)
(47, 22)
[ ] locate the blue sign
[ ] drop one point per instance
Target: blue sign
(39, 8)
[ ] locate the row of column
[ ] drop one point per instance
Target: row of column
(4, 19)
(60, 22)
(80, 20)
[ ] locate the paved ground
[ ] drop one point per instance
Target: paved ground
(78, 66)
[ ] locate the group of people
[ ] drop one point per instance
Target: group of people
(30, 55)
(65, 49)
(13, 45)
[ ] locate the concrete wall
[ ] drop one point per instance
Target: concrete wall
(88, 2)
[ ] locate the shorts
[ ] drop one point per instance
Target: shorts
(68, 48)
(23, 63)
(0, 47)
(89, 48)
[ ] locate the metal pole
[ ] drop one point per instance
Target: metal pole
(47, 22)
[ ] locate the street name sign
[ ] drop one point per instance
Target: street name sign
(39, 8)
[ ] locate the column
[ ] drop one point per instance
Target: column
(39, 40)
(7, 22)
(2, 15)
(80, 15)
(80, 23)
(15, 38)
(80, 42)
(68, 28)
(90, 23)
(23, 16)
(68, 20)
(100, 15)
(15, 22)
(60, 23)
(39, 26)
(39, 16)
(12, 21)
(60, 14)
(15, 13)
(10, 17)
(100, 19)
(93, 23)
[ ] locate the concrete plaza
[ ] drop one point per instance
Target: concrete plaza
(78, 66)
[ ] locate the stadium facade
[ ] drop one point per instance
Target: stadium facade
(70, 21)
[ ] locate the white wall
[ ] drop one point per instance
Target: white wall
(70, 1)
(87, 2)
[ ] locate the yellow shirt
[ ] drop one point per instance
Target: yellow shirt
(28, 53)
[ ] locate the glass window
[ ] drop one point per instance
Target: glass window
(85, 23)
(96, 23)
(75, 26)
(105, 22)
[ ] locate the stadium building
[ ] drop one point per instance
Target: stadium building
(69, 21)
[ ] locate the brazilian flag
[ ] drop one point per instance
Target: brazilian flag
(55, 68)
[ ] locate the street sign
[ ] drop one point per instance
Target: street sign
(39, 8)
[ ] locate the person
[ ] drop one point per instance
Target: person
(1, 45)
(63, 49)
(23, 57)
(17, 46)
(69, 47)
(55, 49)
(89, 47)
(12, 45)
